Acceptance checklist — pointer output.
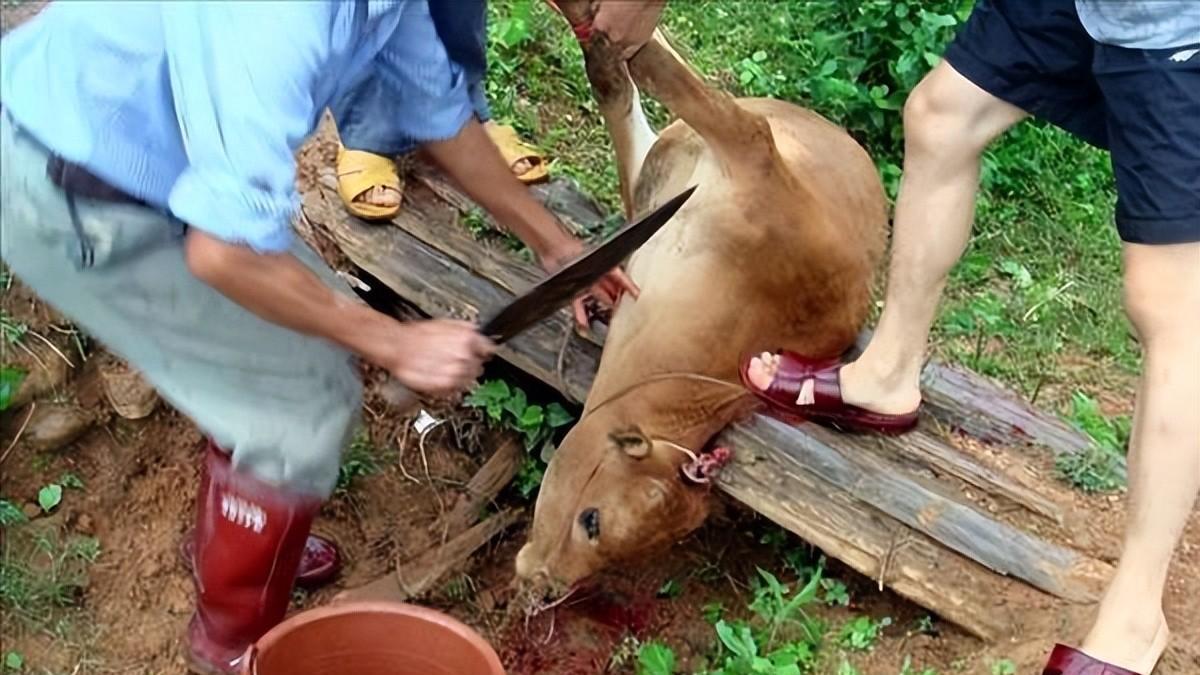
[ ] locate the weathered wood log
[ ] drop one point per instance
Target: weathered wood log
(777, 484)
(497, 472)
(418, 576)
(458, 535)
(892, 508)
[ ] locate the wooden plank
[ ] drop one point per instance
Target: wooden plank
(775, 483)
(858, 471)
(943, 460)
(955, 395)
(860, 466)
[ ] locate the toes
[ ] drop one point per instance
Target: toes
(761, 372)
(521, 167)
(379, 195)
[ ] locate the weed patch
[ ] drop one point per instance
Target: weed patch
(10, 381)
(43, 571)
(1096, 469)
(1004, 667)
(861, 632)
(507, 406)
(360, 460)
(655, 658)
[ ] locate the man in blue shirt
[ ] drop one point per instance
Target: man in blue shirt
(146, 190)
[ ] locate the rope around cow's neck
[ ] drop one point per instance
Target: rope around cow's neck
(692, 455)
(661, 377)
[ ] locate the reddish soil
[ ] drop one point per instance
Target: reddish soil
(140, 479)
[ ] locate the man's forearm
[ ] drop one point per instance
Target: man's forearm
(473, 161)
(281, 289)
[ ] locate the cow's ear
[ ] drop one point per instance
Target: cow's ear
(632, 442)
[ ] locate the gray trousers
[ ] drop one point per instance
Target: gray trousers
(284, 404)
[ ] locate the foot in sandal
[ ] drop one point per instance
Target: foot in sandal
(369, 184)
(524, 161)
(798, 386)
(372, 188)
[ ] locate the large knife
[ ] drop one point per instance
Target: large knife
(558, 289)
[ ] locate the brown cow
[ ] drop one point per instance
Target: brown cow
(776, 249)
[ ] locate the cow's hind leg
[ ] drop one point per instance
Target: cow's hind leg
(621, 105)
(740, 139)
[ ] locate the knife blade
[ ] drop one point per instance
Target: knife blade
(560, 288)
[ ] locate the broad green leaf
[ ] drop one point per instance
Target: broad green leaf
(50, 497)
(938, 20)
(10, 380)
(531, 417)
(516, 403)
(655, 659)
(14, 661)
(492, 390)
(10, 514)
(733, 639)
(557, 416)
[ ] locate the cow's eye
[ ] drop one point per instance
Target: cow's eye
(590, 521)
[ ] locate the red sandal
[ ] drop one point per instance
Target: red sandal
(797, 372)
(1066, 660)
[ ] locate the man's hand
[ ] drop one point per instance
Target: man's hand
(430, 357)
(473, 160)
(628, 24)
(436, 357)
(607, 291)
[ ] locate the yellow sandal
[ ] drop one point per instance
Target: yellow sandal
(513, 150)
(358, 171)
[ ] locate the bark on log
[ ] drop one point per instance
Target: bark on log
(872, 502)
(418, 576)
(483, 487)
(456, 531)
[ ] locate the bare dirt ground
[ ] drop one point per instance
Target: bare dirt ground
(138, 484)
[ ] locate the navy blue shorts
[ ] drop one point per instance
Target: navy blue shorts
(1142, 105)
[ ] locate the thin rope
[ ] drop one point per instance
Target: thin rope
(664, 377)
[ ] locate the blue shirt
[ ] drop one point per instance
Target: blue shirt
(198, 107)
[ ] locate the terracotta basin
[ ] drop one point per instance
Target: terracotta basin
(371, 638)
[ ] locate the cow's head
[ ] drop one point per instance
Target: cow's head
(610, 494)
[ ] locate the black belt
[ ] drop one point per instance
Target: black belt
(76, 181)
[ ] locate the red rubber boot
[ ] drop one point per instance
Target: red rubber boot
(318, 565)
(249, 538)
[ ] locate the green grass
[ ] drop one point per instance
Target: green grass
(1038, 289)
(360, 460)
(43, 571)
(776, 633)
(1097, 469)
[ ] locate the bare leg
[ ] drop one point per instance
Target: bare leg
(1162, 297)
(948, 121)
